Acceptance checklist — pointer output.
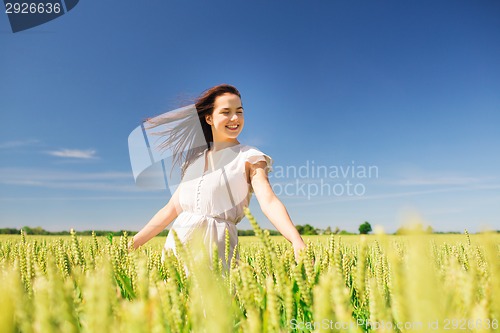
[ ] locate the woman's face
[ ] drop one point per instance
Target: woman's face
(227, 118)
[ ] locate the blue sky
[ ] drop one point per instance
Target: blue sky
(411, 88)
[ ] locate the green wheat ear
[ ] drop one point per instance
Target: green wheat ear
(270, 254)
(255, 226)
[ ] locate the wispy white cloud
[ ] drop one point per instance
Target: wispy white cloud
(435, 179)
(73, 153)
(92, 186)
(49, 178)
(18, 143)
(57, 175)
(82, 198)
(318, 200)
(422, 181)
(65, 153)
(322, 200)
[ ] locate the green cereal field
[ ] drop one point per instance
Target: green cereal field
(374, 283)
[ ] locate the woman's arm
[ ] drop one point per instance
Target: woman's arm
(160, 221)
(272, 207)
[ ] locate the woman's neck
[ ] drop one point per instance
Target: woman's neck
(219, 145)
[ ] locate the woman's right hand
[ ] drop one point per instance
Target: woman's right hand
(160, 221)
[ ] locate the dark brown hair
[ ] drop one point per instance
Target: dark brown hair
(181, 136)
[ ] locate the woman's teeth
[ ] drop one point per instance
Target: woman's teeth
(233, 127)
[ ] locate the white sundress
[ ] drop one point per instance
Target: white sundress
(212, 197)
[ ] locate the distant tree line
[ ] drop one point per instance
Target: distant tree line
(252, 233)
(305, 230)
(41, 231)
(308, 230)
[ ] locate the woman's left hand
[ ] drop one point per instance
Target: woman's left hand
(298, 246)
(130, 245)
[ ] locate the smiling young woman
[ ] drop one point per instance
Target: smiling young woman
(218, 182)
